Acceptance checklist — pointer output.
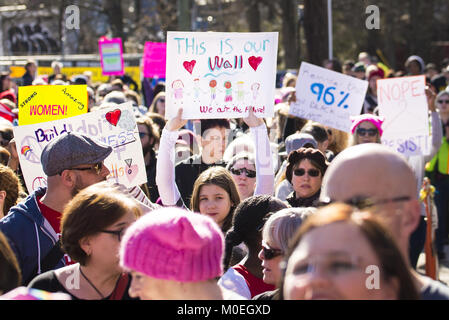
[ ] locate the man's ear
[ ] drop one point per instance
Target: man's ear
(2, 195)
(411, 216)
(68, 178)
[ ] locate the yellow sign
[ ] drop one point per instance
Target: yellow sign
(133, 72)
(47, 103)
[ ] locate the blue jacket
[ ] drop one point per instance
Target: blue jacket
(29, 234)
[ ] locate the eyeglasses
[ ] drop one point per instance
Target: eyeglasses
(362, 132)
(362, 202)
(270, 253)
(97, 167)
(338, 264)
(311, 172)
(162, 100)
(118, 233)
(248, 173)
(443, 101)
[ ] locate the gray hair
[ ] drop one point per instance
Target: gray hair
(281, 226)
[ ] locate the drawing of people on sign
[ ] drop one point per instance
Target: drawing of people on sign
(196, 89)
(178, 86)
(255, 89)
(228, 91)
(213, 90)
(240, 91)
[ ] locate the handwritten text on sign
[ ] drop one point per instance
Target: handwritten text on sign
(403, 104)
(220, 75)
(49, 102)
(115, 126)
(327, 97)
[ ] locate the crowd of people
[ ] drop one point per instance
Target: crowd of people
(279, 208)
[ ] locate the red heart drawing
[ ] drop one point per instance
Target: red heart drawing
(113, 116)
(254, 62)
(189, 65)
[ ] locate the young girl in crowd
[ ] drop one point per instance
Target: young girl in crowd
(215, 189)
(340, 254)
(174, 254)
(92, 225)
(245, 278)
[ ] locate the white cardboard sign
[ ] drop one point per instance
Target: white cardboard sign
(220, 75)
(327, 97)
(115, 126)
(402, 102)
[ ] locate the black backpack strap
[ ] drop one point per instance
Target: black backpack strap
(49, 262)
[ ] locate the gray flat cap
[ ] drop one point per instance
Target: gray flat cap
(72, 149)
(299, 140)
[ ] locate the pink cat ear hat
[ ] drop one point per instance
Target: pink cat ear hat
(377, 121)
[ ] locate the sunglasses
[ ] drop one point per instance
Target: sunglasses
(311, 172)
(248, 173)
(143, 134)
(443, 101)
(97, 167)
(118, 233)
(362, 132)
(270, 253)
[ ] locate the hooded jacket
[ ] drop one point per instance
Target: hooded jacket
(29, 234)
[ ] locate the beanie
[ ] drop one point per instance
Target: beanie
(173, 244)
(377, 121)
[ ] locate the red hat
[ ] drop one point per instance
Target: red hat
(9, 94)
(376, 72)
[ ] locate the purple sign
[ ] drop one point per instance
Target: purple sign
(154, 59)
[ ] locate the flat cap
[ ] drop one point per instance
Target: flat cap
(72, 149)
(299, 140)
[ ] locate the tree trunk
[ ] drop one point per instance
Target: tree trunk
(290, 33)
(114, 11)
(315, 30)
(253, 15)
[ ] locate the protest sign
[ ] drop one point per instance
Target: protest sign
(403, 104)
(115, 126)
(327, 97)
(111, 56)
(220, 75)
(46, 103)
(154, 60)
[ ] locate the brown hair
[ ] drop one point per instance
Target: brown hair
(4, 156)
(152, 128)
(221, 177)
(315, 156)
(90, 211)
(10, 183)
(381, 241)
(10, 276)
(152, 107)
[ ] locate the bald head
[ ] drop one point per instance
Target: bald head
(369, 170)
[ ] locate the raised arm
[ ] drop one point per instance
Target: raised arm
(263, 156)
(165, 167)
(437, 130)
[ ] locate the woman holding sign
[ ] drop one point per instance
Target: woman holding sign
(168, 190)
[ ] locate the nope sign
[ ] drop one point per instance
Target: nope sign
(403, 104)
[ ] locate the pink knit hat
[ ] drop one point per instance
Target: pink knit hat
(377, 121)
(173, 244)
